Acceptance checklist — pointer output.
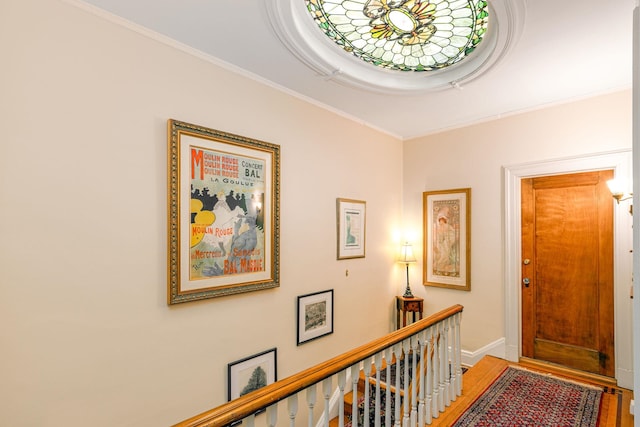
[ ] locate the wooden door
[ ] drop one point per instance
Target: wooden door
(567, 271)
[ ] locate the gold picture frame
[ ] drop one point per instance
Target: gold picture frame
(351, 228)
(447, 238)
(223, 213)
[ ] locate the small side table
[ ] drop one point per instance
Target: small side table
(408, 305)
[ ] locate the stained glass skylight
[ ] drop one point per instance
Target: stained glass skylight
(405, 35)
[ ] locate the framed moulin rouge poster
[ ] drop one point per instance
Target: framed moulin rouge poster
(223, 213)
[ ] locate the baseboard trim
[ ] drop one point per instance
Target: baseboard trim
(496, 348)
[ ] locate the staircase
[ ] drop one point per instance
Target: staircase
(421, 379)
(372, 394)
(411, 392)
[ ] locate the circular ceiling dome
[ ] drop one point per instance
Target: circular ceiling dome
(395, 46)
(404, 35)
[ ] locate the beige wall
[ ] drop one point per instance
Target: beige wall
(87, 336)
(474, 157)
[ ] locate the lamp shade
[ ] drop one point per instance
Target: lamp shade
(617, 186)
(406, 254)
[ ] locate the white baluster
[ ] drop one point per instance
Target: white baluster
(442, 363)
(355, 376)
(406, 345)
(458, 318)
(326, 393)
(453, 355)
(342, 380)
(455, 361)
(368, 372)
(272, 415)
(429, 391)
(311, 401)
(250, 421)
(448, 364)
(292, 405)
(422, 380)
(388, 356)
(378, 362)
(414, 380)
(436, 371)
(397, 349)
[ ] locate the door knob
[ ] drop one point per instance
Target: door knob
(526, 282)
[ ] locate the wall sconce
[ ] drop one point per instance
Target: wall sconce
(407, 257)
(618, 188)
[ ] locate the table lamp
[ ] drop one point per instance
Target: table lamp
(407, 257)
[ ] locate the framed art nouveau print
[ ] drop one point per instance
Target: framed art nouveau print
(447, 238)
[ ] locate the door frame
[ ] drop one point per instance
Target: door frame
(620, 162)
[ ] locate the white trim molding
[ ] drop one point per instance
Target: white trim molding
(636, 196)
(496, 348)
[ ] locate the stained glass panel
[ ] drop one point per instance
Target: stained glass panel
(405, 35)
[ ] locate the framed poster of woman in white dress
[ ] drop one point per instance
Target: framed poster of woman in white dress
(447, 238)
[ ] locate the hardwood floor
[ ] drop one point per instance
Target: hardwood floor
(614, 411)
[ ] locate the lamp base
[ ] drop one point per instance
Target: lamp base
(407, 293)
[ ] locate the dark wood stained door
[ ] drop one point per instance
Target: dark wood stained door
(567, 271)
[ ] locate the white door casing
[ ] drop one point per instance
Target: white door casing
(620, 162)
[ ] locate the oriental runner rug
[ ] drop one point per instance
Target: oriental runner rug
(520, 398)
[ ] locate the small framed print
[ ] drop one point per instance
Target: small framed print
(315, 316)
(251, 373)
(352, 224)
(447, 238)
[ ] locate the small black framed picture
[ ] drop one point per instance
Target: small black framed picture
(251, 373)
(315, 315)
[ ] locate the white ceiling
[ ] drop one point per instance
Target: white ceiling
(566, 50)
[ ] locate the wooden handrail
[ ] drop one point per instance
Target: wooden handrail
(250, 403)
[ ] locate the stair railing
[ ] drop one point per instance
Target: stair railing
(424, 356)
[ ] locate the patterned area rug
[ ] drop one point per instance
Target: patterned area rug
(524, 398)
